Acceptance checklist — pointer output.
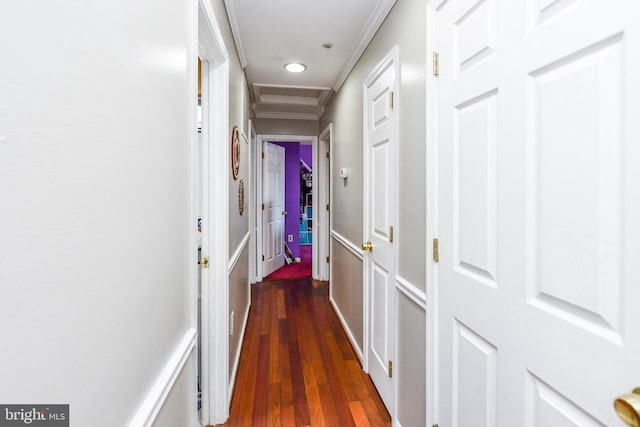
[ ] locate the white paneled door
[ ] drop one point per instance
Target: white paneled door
(273, 208)
(538, 211)
(380, 213)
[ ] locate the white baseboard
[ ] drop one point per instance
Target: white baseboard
(236, 362)
(354, 343)
(148, 411)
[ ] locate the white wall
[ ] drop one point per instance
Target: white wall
(95, 223)
(405, 26)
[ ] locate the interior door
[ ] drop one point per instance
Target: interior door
(380, 214)
(538, 211)
(273, 212)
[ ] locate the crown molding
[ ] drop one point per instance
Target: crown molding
(375, 20)
(234, 22)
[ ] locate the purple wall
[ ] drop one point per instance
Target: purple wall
(305, 154)
(292, 193)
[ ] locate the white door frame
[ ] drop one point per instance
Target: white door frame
(324, 223)
(258, 205)
(431, 217)
(215, 293)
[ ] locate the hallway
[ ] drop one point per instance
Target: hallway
(297, 366)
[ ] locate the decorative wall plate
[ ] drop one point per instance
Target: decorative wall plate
(241, 197)
(235, 152)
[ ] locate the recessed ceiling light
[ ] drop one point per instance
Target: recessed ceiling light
(295, 67)
(327, 45)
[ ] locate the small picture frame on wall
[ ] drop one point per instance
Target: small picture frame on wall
(235, 152)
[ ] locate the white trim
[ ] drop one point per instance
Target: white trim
(412, 292)
(234, 22)
(236, 361)
(346, 328)
(236, 255)
(148, 411)
(373, 24)
(431, 219)
(325, 184)
(215, 293)
(348, 244)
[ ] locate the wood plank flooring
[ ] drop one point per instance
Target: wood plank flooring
(297, 367)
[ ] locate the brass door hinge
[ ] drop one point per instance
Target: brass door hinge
(390, 234)
(435, 425)
(204, 263)
(436, 250)
(390, 369)
(263, 154)
(263, 257)
(327, 206)
(327, 259)
(327, 154)
(436, 64)
(391, 100)
(263, 206)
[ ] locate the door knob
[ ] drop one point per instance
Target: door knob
(628, 407)
(368, 246)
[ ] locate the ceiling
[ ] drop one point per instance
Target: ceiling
(270, 34)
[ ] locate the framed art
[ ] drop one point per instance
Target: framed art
(235, 152)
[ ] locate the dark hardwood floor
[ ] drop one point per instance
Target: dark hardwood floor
(297, 367)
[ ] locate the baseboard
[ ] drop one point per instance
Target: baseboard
(352, 339)
(412, 292)
(148, 411)
(236, 362)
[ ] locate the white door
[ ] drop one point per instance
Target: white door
(538, 211)
(273, 212)
(379, 218)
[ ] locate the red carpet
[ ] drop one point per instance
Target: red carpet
(296, 270)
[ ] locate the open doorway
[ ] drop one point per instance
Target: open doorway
(301, 232)
(297, 211)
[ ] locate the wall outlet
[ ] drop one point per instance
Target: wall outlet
(231, 323)
(290, 238)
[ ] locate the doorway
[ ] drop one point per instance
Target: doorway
(302, 231)
(210, 215)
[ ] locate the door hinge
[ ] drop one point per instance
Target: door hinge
(435, 425)
(327, 259)
(436, 64)
(390, 234)
(391, 100)
(327, 154)
(263, 206)
(263, 154)
(263, 257)
(390, 369)
(436, 250)
(327, 206)
(204, 263)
